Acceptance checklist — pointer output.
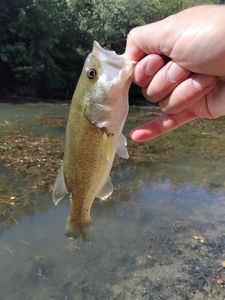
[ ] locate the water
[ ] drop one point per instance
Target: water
(145, 244)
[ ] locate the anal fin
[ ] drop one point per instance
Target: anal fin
(106, 190)
(60, 190)
(122, 149)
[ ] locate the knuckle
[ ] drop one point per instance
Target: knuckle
(133, 34)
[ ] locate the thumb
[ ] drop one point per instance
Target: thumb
(149, 39)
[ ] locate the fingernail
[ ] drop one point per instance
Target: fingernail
(200, 83)
(149, 67)
(132, 134)
(174, 72)
(152, 65)
(140, 135)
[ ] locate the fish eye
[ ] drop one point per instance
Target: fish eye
(91, 73)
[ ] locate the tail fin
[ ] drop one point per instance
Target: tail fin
(77, 230)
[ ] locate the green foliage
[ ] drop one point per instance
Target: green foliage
(30, 45)
(109, 21)
(43, 42)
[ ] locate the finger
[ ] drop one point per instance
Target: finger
(146, 69)
(187, 93)
(148, 39)
(162, 125)
(165, 81)
(215, 100)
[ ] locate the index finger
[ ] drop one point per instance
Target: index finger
(147, 39)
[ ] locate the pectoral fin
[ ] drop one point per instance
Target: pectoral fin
(107, 145)
(106, 190)
(122, 149)
(60, 190)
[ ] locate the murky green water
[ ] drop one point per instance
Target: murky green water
(144, 245)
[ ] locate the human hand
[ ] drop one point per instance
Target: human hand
(191, 83)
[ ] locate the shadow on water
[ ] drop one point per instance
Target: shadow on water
(160, 236)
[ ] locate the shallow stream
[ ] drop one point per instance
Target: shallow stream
(160, 236)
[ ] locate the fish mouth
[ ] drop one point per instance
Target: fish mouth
(111, 57)
(79, 230)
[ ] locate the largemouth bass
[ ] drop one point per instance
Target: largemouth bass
(93, 135)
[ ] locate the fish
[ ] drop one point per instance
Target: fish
(93, 136)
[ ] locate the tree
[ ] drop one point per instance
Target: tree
(43, 43)
(31, 33)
